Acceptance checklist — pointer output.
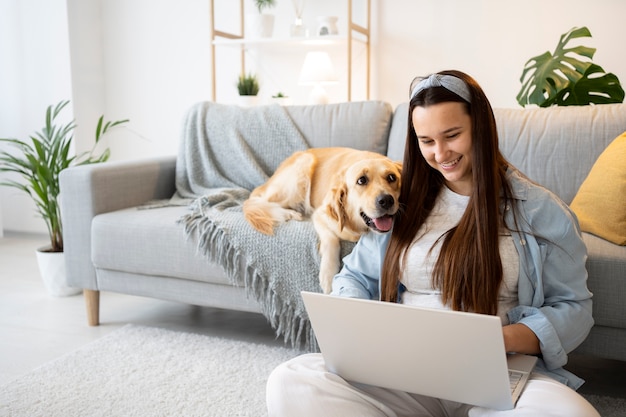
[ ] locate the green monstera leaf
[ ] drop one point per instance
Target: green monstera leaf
(595, 86)
(563, 79)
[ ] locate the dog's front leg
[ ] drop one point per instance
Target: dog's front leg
(330, 251)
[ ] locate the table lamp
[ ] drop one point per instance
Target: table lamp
(317, 70)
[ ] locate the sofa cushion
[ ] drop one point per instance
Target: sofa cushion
(361, 125)
(397, 133)
(557, 146)
(150, 242)
(607, 280)
(600, 203)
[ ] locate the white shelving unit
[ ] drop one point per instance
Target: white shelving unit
(355, 33)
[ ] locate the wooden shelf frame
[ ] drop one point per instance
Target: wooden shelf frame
(354, 34)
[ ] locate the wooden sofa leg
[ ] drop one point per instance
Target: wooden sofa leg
(92, 302)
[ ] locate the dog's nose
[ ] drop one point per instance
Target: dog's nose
(384, 201)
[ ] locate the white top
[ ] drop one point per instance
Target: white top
(417, 276)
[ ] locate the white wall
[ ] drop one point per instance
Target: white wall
(34, 73)
(86, 40)
(149, 60)
(489, 39)
(156, 60)
(157, 63)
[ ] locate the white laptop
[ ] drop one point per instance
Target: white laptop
(439, 353)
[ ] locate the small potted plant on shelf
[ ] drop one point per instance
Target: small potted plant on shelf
(260, 25)
(39, 161)
(248, 88)
(281, 98)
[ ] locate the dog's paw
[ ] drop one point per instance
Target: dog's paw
(326, 282)
(326, 288)
(294, 215)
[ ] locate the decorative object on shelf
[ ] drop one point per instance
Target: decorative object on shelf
(298, 29)
(281, 98)
(260, 25)
(248, 88)
(356, 40)
(563, 80)
(39, 163)
(318, 70)
(327, 25)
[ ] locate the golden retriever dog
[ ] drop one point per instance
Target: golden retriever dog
(346, 192)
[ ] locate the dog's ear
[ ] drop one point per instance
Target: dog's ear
(335, 207)
(398, 165)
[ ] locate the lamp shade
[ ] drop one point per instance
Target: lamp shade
(317, 69)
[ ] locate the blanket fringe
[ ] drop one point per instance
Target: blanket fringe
(214, 244)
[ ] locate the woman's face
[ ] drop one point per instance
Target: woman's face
(444, 135)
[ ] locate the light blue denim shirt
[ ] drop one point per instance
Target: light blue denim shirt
(552, 290)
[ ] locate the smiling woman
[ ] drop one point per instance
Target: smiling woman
(445, 141)
(467, 239)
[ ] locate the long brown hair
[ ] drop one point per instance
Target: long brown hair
(468, 270)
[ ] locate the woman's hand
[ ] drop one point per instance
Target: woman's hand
(520, 339)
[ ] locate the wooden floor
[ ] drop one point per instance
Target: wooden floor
(36, 328)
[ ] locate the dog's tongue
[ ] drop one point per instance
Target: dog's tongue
(383, 223)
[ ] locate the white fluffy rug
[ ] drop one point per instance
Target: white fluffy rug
(142, 371)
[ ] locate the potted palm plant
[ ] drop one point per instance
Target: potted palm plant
(39, 161)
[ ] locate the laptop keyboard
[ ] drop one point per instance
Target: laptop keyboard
(514, 379)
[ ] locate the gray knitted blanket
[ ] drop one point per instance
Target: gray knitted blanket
(226, 152)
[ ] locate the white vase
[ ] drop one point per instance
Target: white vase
(259, 25)
(298, 30)
(52, 271)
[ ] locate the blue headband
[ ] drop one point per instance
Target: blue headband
(449, 82)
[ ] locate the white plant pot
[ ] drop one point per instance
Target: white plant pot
(52, 270)
(259, 25)
(283, 101)
(248, 101)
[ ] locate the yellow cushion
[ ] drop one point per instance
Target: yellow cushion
(600, 203)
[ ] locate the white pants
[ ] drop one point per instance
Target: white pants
(303, 387)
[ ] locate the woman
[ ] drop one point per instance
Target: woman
(473, 235)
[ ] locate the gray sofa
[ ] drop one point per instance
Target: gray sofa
(112, 243)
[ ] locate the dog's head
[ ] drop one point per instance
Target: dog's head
(366, 195)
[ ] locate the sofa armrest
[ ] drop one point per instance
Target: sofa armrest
(89, 190)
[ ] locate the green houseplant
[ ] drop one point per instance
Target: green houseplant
(40, 160)
(281, 98)
(563, 79)
(248, 85)
(264, 4)
(248, 88)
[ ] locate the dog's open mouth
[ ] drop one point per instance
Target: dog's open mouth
(379, 224)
